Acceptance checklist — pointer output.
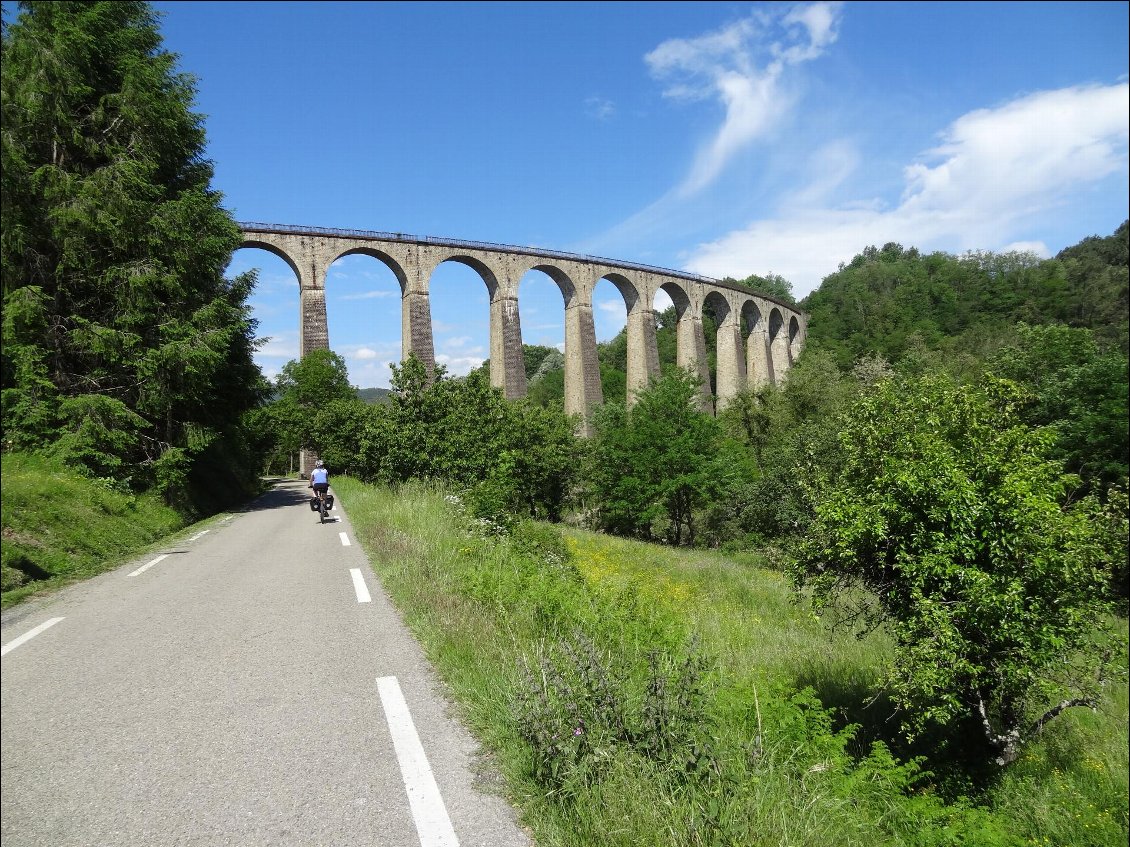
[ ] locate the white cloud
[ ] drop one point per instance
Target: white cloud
(743, 67)
(371, 375)
(282, 345)
(599, 108)
(459, 365)
(995, 171)
(615, 307)
(364, 353)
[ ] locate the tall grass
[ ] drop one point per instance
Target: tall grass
(59, 526)
(636, 695)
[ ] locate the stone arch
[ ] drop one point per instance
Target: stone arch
(527, 289)
(690, 354)
(381, 256)
(606, 307)
(795, 339)
(275, 250)
(353, 276)
(563, 281)
(642, 360)
(461, 335)
(730, 365)
(778, 346)
(582, 371)
(759, 370)
(486, 272)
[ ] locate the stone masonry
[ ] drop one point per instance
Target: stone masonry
(758, 337)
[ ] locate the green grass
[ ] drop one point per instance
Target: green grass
(771, 744)
(59, 527)
(774, 742)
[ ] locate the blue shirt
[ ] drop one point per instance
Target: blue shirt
(319, 475)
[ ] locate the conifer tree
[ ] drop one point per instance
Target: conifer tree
(123, 343)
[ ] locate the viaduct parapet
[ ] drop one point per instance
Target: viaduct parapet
(758, 337)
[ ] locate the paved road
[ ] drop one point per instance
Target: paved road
(252, 687)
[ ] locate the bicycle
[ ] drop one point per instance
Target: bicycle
(321, 502)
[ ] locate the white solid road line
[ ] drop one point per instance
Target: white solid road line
(359, 586)
(344, 539)
(28, 636)
(199, 535)
(146, 567)
(428, 811)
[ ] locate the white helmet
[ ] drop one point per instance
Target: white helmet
(319, 464)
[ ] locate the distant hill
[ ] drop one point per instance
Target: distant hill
(889, 300)
(374, 395)
(892, 299)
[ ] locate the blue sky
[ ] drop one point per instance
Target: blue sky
(721, 138)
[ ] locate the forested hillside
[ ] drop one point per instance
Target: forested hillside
(894, 300)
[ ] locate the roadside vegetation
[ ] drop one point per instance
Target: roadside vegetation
(632, 693)
(882, 603)
(60, 526)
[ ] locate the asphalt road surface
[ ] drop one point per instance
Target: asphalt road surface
(250, 685)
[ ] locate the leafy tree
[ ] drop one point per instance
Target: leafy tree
(886, 301)
(315, 380)
(536, 471)
(315, 409)
(790, 433)
(655, 464)
(532, 356)
(774, 285)
(113, 249)
(1078, 391)
(947, 523)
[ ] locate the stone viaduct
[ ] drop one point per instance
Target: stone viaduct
(758, 337)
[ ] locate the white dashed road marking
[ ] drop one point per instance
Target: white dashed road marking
(344, 539)
(432, 823)
(146, 567)
(198, 535)
(359, 586)
(28, 636)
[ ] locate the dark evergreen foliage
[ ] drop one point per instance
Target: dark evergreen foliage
(125, 348)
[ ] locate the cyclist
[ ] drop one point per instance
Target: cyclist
(320, 480)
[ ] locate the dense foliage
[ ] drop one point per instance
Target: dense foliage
(947, 511)
(125, 350)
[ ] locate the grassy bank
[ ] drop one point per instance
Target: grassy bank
(637, 695)
(59, 527)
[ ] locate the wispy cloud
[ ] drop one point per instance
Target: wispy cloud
(615, 307)
(743, 67)
(993, 171)
(281, 345)
(599, 108)
(459, 365)
(750, 69)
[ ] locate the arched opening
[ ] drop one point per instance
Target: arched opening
(274, 305)
(795, 340)
(541, 309)
(715, 311)
(756, 334)
(610, 298)
(363, 314)
(670, 304)
(459, 295)
(778, 353)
